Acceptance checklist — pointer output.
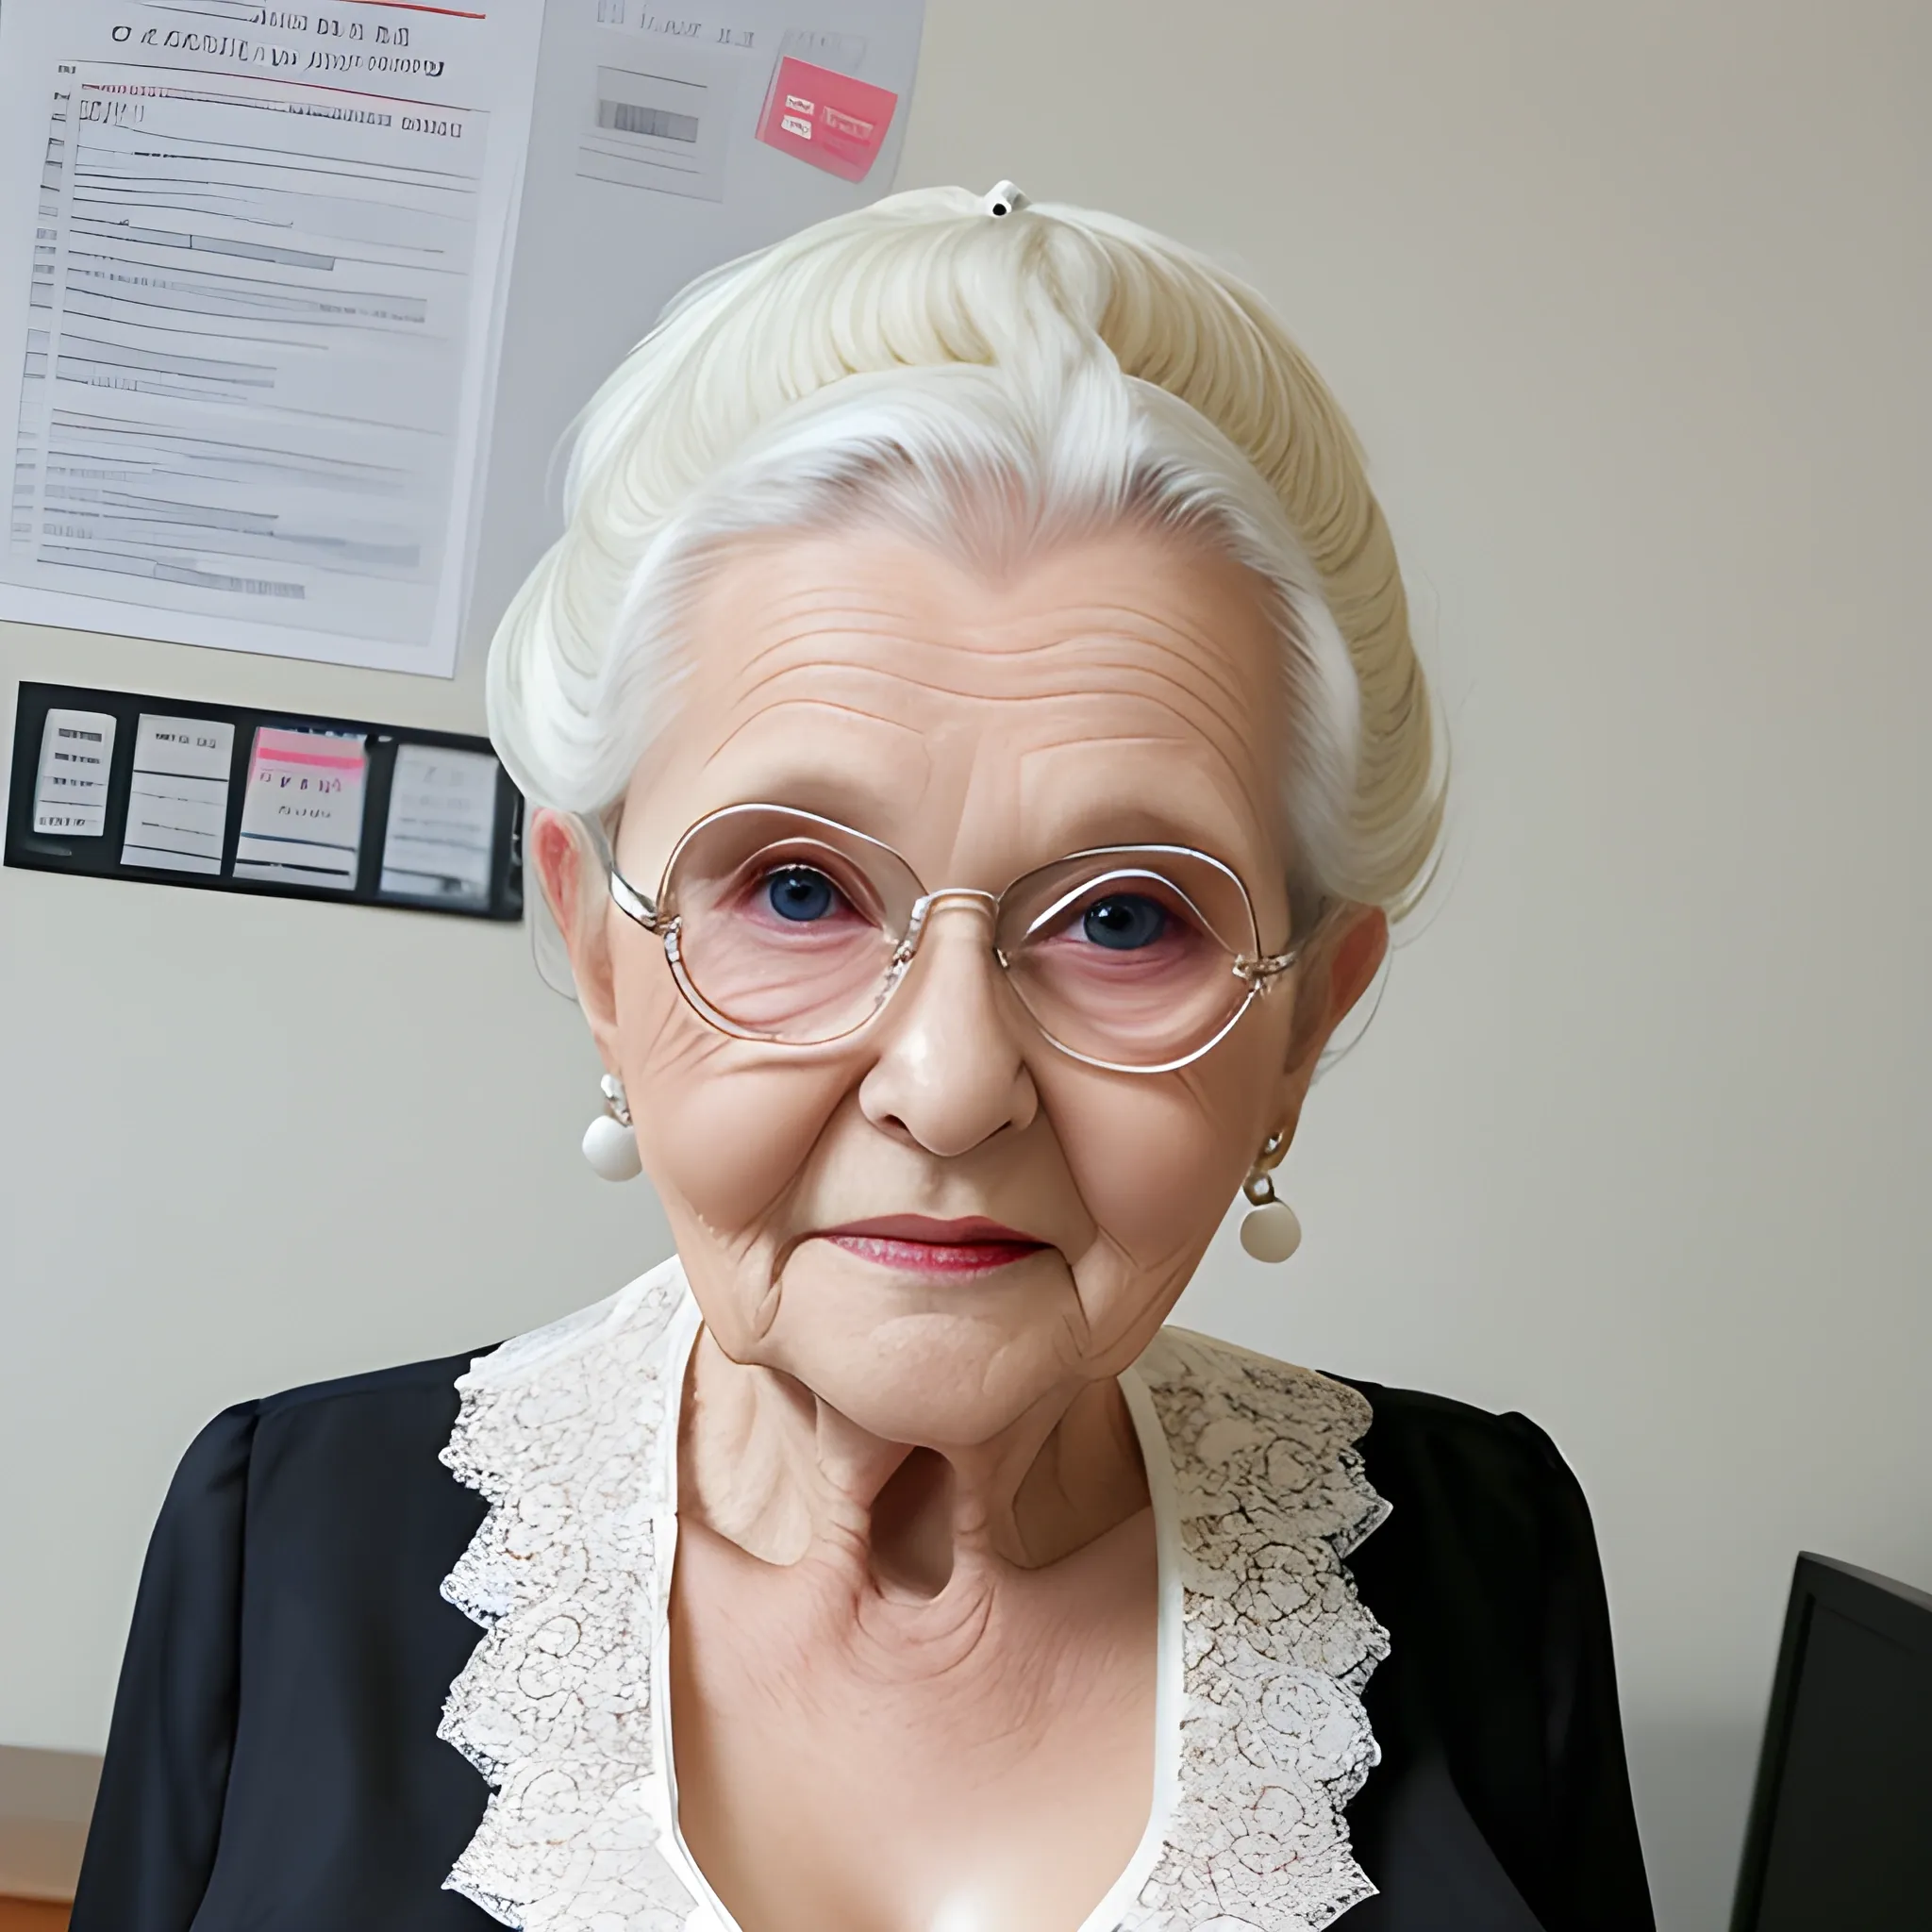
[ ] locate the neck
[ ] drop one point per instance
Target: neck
(767, 1464)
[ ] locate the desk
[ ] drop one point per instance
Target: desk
(46, 1798)
(26, 1915)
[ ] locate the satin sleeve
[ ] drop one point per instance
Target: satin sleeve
(1598, 1881)
(171, 1740)
(1503, 1802)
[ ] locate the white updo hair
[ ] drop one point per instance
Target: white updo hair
(987, 385)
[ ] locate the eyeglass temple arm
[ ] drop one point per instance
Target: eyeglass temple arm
(623, 895)
(631, 902)
(1270, 966)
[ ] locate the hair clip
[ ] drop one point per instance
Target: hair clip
(1005, 200)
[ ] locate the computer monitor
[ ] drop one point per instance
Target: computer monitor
(1840, 1831)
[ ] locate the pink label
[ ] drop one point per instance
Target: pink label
(273, 747)
(830, 119)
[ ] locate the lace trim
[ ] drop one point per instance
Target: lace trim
(1271, 1496)
(554, 1706)
(561, 1432)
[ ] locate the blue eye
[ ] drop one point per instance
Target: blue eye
(799, 894)
(1124, 921)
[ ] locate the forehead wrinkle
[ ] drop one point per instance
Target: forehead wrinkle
(847, 612)
(853, 630)
(1223, 732)
(1240, 785)
(1104, 622)
(1092, 625)
(748, 670)
(836, 706)
(1186, 660)
(1224, 746)
(894, 776)
(1151, 683)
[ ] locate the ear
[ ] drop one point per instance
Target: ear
(1360, 946)
(1341, 967)
(571, 874)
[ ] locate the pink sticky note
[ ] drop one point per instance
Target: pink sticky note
(830, 119)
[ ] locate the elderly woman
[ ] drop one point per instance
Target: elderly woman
(980, 748)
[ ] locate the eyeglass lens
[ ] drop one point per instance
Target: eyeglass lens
(789, 929)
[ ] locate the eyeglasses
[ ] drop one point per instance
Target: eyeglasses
(783, 926)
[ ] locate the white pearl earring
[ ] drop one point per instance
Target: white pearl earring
(1270, 1231)
(609, 1145)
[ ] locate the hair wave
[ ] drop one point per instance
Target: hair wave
(988, 383)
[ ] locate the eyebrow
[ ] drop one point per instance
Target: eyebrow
(855, 795)
(1129, 816)
(845, 797)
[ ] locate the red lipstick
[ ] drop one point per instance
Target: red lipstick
(919, 1244)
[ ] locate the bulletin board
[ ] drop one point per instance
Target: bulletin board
(178, 791)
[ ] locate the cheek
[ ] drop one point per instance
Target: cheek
(1157, 1161)
(723, 1127)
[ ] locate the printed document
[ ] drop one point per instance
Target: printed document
(71, 787)
(251, 267)
(302, 814)
(442, 826)
(178, 799)
(668, 137)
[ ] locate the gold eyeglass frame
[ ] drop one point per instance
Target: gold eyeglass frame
(1258, 972)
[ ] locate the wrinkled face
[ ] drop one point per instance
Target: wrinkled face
(1123, 690)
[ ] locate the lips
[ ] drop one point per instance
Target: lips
(918, 1243)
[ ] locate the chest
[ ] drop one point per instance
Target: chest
(985, 1759)
(645, 1756)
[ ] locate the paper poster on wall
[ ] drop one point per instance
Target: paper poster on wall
(441, 825)
(70, 785)
(177, 800)
(678, 97)
(646, 170)
(302, 816)
(198, 794)
(251, 263)
(259, 268)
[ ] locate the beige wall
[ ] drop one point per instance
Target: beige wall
(1630, 304)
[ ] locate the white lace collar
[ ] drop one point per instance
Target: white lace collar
(570, 1433)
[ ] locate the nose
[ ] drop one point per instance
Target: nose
(950, 1070)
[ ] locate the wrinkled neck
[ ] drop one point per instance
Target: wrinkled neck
(768, 1465)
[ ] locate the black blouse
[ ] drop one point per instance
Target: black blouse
(274, 1765)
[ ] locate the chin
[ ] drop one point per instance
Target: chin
(935, 1402)
(933, 1365)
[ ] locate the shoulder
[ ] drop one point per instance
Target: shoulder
(411, 1397)
(400, 1391)
(369, 1449)
(1218, 1387)
(1496, 1709)
(1454, 1462)
(289, 1655)
(1487, 1569)
(623, 1327)
(400, 1383)
(361, 1426)
(1418, 1442)
(225, 1460)
(330, 1482)
(1261, 1455)
(1440, 1478)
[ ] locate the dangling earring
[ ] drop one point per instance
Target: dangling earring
(1270, 1231)
(609, 1145)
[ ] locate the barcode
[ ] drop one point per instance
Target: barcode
(626, 118)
